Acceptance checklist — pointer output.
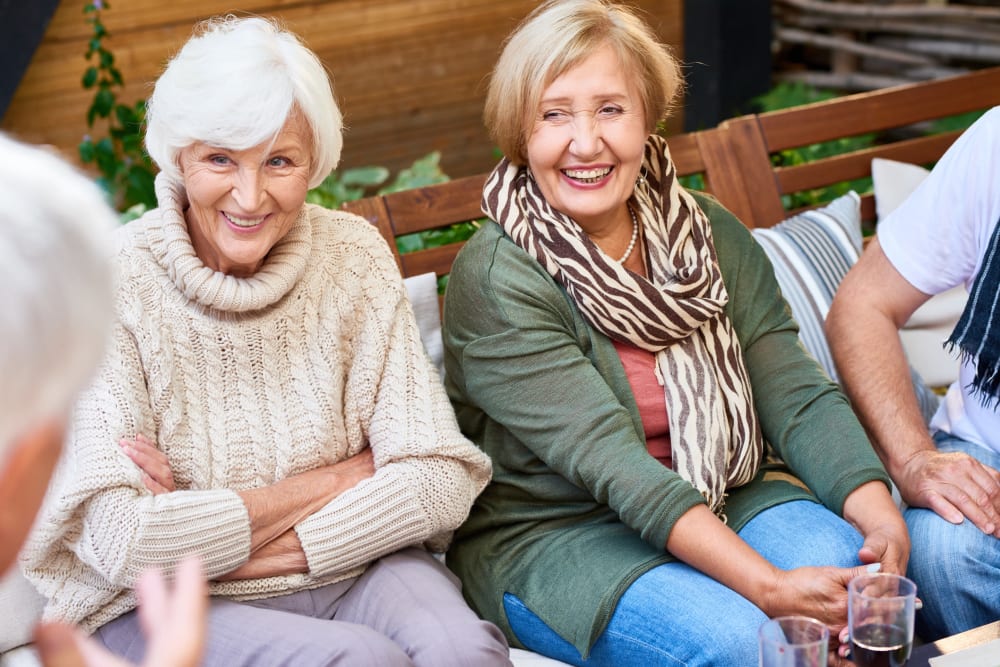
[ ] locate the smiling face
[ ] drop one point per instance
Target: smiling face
(242, 202)
(586, 143)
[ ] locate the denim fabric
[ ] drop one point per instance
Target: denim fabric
(956, 567)
(675, 615)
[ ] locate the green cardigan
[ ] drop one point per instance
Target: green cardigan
(577, 509)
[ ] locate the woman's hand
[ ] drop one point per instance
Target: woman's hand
(871, 510)
(819, 592)
(156, 472)
(173, 623)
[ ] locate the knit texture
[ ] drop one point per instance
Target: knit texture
(243, 382)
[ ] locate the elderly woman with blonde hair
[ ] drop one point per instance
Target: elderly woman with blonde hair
(266, 402)
(619, 346)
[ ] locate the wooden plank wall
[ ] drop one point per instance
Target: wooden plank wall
(409, 74)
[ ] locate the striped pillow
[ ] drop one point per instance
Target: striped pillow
(811, 253)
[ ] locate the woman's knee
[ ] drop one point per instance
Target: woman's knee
(469, 643)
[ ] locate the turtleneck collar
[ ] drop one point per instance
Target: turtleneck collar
(171, 245)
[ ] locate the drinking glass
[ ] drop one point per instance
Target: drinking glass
(793, 641)
(880, 616)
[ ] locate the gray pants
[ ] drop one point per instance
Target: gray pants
(406, 609)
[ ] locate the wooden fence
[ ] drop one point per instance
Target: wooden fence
(409, 74)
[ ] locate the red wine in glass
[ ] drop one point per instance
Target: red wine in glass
(879, 645)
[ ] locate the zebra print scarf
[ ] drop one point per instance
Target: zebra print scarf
(677, 313)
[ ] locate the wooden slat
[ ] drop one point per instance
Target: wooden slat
(686, 153)
(435, 206)
(879, 110)
(374, 211)
(857, 164)
(738, 171)
(437, 260)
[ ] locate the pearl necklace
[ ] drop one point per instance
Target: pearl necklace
(635, 235)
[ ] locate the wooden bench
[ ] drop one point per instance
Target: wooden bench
(735, 160)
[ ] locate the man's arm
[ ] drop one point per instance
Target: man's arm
(862, 328)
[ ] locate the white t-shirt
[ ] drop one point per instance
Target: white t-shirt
(936, 239)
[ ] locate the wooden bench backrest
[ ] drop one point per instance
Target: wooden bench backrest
(742, 147)
(440, 206)
(734, 158)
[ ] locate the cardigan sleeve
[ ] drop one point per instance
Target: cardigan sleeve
(427, 473)
(519, 354)
(102, 510)
(803, 414)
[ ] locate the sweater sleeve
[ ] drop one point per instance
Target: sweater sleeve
(520, 355)
(99, 506)
(427, 473)
(803, 414)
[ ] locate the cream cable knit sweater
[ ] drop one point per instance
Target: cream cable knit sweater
(243, 382)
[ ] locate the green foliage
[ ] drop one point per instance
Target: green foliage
(960, 122)
(351, 184)
(126, 172)
(791, 94)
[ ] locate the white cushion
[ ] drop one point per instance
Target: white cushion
(811, 253)
(423, 294)
(25, 656)
(522, 658)
(925, 332)
(20, 609)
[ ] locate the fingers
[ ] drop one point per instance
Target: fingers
(957, 487)
(151, 590)
(157, 474)
(56, 646)
(177, 634)
(61, 645)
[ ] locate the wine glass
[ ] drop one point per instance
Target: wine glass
(793, 641)
(880, 616)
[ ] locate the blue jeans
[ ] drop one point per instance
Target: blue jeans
(675, 615)
(956, 567)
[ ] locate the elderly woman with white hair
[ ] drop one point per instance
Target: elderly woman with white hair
(266, 403)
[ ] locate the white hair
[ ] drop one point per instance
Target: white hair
(233, 85)
(55, 278)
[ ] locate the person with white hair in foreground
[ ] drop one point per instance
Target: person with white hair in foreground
(266, 402)
(57, 296)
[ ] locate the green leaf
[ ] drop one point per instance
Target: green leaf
(365, 176)
(90, 77)
(424, 171)
(107, 161)
(104, 100)
(107, 58)
(116, 76)
(132, 213)
(86, 150)
(125, 115)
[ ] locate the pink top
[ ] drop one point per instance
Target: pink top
(640, 368)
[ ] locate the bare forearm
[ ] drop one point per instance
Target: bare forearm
(282, 555)
(275, 509)
(702, 541)
(872, 511)
(874, 372)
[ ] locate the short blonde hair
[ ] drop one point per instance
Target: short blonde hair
(555, 37)
(233, 85)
